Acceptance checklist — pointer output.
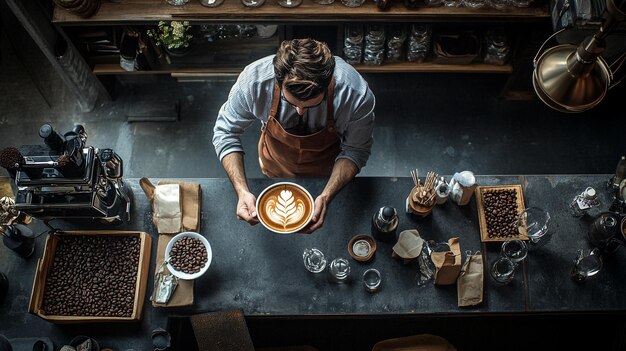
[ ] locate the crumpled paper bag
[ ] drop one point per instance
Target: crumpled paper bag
(470, 281)
(447, 264)
(409, 245)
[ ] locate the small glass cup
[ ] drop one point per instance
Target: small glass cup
(314, 260)
(371, 279)
(515, 250)
(587, 264)
(252, 3)
(289, 3)
(352, 3)
(211, 3)
(534, 222)
(339, 269)
(503, 270)
(177, 2)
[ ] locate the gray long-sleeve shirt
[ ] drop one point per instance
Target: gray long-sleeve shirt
(251, 97)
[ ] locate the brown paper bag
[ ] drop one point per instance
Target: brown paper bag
(190, 201)
(191, 204)
(183, 295)
(447, 264)
(470, 282)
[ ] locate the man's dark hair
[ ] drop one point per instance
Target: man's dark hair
(305, 66)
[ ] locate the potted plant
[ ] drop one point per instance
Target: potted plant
(174, 37)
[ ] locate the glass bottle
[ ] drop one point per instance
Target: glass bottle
(584, 201)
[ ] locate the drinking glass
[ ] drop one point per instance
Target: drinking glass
(289, 3)
(211, 3)
(177, 2)
(474, 4)
(252, 3)
(419, 47)
(587, 264)
(339, 269)
(515, 250)
(371, 279)
(533, 221)
(314, 260)
(353, 43)
(503, 270)
(352, 3)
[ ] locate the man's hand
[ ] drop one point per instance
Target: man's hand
(246, 201)
(317, 220)
(246, 208)
(344, 171)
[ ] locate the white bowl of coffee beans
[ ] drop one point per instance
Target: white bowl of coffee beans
(188, 255)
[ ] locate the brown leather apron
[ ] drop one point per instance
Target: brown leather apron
(285, 155)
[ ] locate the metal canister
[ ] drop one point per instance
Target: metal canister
(385, 224)
(605, 232)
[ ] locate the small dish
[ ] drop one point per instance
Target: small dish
(183, 275)
(361, 247)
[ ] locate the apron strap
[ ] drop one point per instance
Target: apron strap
(275, 100)
(330, 111)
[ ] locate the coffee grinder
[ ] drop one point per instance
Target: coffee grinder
(65, 179)
(20, 239)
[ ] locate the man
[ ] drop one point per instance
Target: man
(317, 117)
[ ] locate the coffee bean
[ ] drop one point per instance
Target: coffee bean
(89, 274)
(188, 255)
(500, 208)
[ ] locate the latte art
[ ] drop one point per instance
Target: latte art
(285, 207)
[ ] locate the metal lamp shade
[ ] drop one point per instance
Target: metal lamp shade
(564, 91)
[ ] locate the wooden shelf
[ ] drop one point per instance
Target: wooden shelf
(115, 69)
(103, 69)
(434, 67)
(150, 11)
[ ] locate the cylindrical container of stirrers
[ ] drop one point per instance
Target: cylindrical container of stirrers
(422, 198)
(419, 203)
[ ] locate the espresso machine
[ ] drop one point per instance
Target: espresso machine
(66, 179)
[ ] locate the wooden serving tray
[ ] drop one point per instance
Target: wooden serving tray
(480, 190)
(44, 266)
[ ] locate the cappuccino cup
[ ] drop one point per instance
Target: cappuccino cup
(285, 207)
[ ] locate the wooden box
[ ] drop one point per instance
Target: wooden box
(44, 266)
(480, 205)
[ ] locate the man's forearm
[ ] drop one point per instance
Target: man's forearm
(233, 165)
(343, 172)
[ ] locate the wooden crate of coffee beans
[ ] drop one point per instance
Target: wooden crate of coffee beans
(498, 208)
(92, 276)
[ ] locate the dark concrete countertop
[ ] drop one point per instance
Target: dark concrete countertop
(262, 273)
